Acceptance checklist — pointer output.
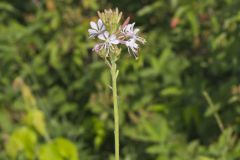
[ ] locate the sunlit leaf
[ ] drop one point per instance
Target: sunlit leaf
(22, 141)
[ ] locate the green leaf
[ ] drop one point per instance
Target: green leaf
(49, 151)
(90, 4)
(194, 23)
(22, 141)
(171, 91)
(150, 8)
(158, 108)
(5, 120)
(36, 119)
(58, 149)
(205, 158)
(6, 6)
(211, 110)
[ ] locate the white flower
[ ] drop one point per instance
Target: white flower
(132, 46)
(96, 28)
(109, 41)
(131, 36)
(129, 31)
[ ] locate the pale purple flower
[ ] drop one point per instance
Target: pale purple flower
(132, 37)
(96, 28)
(109, 41)
(127, 36)
(130, 32)
(132, 46)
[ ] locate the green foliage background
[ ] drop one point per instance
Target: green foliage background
(52, 85)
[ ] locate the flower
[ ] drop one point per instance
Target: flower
(113, 36)
(96, 28)
(132, 46)
(109, 41)
(132, 37)
(130, 32)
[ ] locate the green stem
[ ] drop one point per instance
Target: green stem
(216, 115)
(114, 74)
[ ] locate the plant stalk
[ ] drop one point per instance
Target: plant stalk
(216, 115)
(114, 74)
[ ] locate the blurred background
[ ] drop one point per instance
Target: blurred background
(179, 101)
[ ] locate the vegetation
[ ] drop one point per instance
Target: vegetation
(179, 101)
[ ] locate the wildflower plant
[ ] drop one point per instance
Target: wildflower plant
(112, 36)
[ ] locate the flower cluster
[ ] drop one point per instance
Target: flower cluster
(112, 35)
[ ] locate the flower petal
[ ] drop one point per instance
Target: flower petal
(103, 28)
(101, 36)
(92, 31)
(100, 24)
(106, 34)
(112, 37)
(140, 39)
(115, 41)
(93, 25)
(132, 25)
(136, 30)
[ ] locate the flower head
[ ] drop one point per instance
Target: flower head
(113, 35)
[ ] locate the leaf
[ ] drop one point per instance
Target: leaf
(194, 23)
(219, 41)
(100, 132)
(22, 140)
(49, 151)
(36, 119)
(154, 129)
(154, 149)
(150, 8)
(158, 108)
(90, 4)
(205, 158)
(6, 6)
(66, 149)
(181, 11)
(5, 120)
(58, 149)
(54, 55)
(211, 110)
(171, 91)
